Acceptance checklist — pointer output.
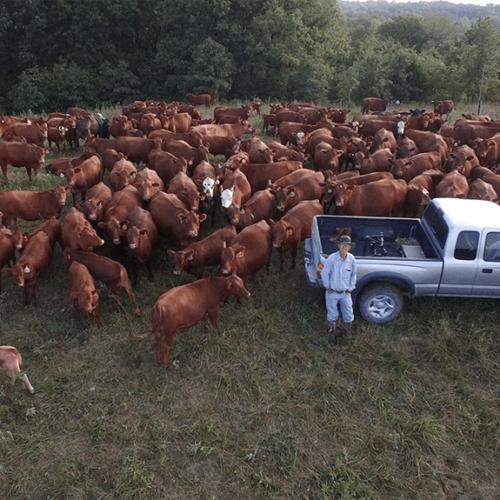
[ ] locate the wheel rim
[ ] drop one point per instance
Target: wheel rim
(381, 306)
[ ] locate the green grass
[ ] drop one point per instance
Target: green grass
(263, 410)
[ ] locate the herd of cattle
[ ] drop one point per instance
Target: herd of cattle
(147, 173)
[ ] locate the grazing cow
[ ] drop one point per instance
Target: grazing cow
(122, 175)
(249, 251)
(18, 154)
(174, 220)
(379, 198)
(167, 165)
(293, 228)
(11, 362)
(199, 99)
(197, 256)
(452, 185)
(9, 243)
(96, 202)
(32, 205)
(82, 291)
(83, 177)
(186, 190)
(259, 207)
(36, 257)
(408, 168)
(374, 104)
(148, 183)
(444, 107)
(481, 190)
(141, 233)
(187, 305)
(117, 213)
(78, 233)
(307, 188)
(108, 271)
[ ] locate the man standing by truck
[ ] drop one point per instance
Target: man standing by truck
(339, 278)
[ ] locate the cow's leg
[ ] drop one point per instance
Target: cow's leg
(213, 315)
(26, 382)
(294, 255)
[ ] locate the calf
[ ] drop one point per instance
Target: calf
(108, 271)
(201, 254)
(187, 305)
(78, 233)
(32, 205)
(11, 362)
(249, 251)
(293, 228)
(36, 257)
(83, 292)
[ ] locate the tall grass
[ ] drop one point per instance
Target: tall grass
(264, 410)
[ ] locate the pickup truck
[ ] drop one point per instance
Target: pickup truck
(453, 250)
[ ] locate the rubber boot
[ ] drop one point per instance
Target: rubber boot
(332, 330)
(348, 331)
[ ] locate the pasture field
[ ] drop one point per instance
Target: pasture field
(264, 410)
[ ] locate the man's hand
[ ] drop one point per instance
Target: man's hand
(329, 290)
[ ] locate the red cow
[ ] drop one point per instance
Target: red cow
(11, 362)
(60, 165)
(96, 202)
(326, 157)
(444, 107)
(83, 292)
(428, 141)
(488, 151)
(109, 157)
(243, 112)
(235, 190)
(206, 180)
(192, 110)
(384, 139)
(108, 271)
(259, 207)
(186, 305)
(122, 175)
(285, 153)
(380, 161)
(248, 252)
(293, 228)
(78, 233)
(117, 213)
(481, 190)
(199, 99)
(193, 138)
(186, 190)
(235, 130)
(51, 227)
(259, 175)
(406, 148)
(488, 176)
(373, 104)
(56, 135)
(136, 149)
(468, 134)
(18, 154)
(174, 220)
(120, 125)
(32, 132)
(258, 151)
(379, 199)
(142, 234)
(338, 115)
(308, 188)
(452, 185)
(32, 205)
(149, 122)
(167, 165)
(83, 177)
(418, 193)
(9, 243)
(462, 158)
(287, 115)
(408, 168)
(204, 253)
(148, 183)
(36, 257)
(178, 123)
(182, 149)
(370, 128)
(220, 145)
(99, 145)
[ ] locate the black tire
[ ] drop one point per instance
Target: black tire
(380, 303)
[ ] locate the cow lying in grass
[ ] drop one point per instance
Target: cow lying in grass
(10, 361)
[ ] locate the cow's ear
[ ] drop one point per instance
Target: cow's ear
(96, 292)
(202, 217)
(74, 295)
(101, 224)
(240, 251)
(144, 232)
(272, 222)
(189, 254)
(171, 253)
(7, 270)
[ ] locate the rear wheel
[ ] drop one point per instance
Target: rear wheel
(380, 303)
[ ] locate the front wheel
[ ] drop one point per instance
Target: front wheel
(380, 303)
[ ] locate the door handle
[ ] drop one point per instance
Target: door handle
(487, 271)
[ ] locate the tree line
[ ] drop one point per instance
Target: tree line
(94, 53)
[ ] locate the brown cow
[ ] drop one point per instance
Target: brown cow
(178, 123)
(220, 145)
(419, 193)
(444, 107)
(174, 220)
(51, 227)
(18, 154)
(149, 122)
(197, 256)
(293, 228)
(32, 132)
(108, 271)
(9, 243)
(408, 168)
(380, 161)
(122, 175)
(78, 233)
(193, 138)
(248, 252)
(235, 190)
(120, 125)
(384, 139)
(462, 158)
(452, 185)
(11, 362)
(32, 205)
(36, 257)
(83, 177)
(258, 151)
(96, 202)
(373, 104)
(242, 112)
(56, 135)
(60, 165)
(186, 190)
(428, 141)
(236, 130)
(182, 149)
(199, 99)
(148, 183)
(167, 165)
(488, 151)
(259, 207)
(307, 188)
(481, 190)
(83, 292)
(379, 199)
(488, 176)
(109, 157)
(406, 148)
(326, 157)
(186, 305)
(285, 153)
(260, 174)
(136, 149)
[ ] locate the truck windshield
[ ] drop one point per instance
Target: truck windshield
(436, 224)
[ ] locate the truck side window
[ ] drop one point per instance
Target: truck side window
(466, 248)
(492, 248)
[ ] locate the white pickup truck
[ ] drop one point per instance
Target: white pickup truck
(453, 250)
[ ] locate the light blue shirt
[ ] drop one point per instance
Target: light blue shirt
(339, 274)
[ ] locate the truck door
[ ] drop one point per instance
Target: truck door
(487, 282)
(460, 265)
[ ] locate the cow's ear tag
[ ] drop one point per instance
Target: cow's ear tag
(27, 270)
